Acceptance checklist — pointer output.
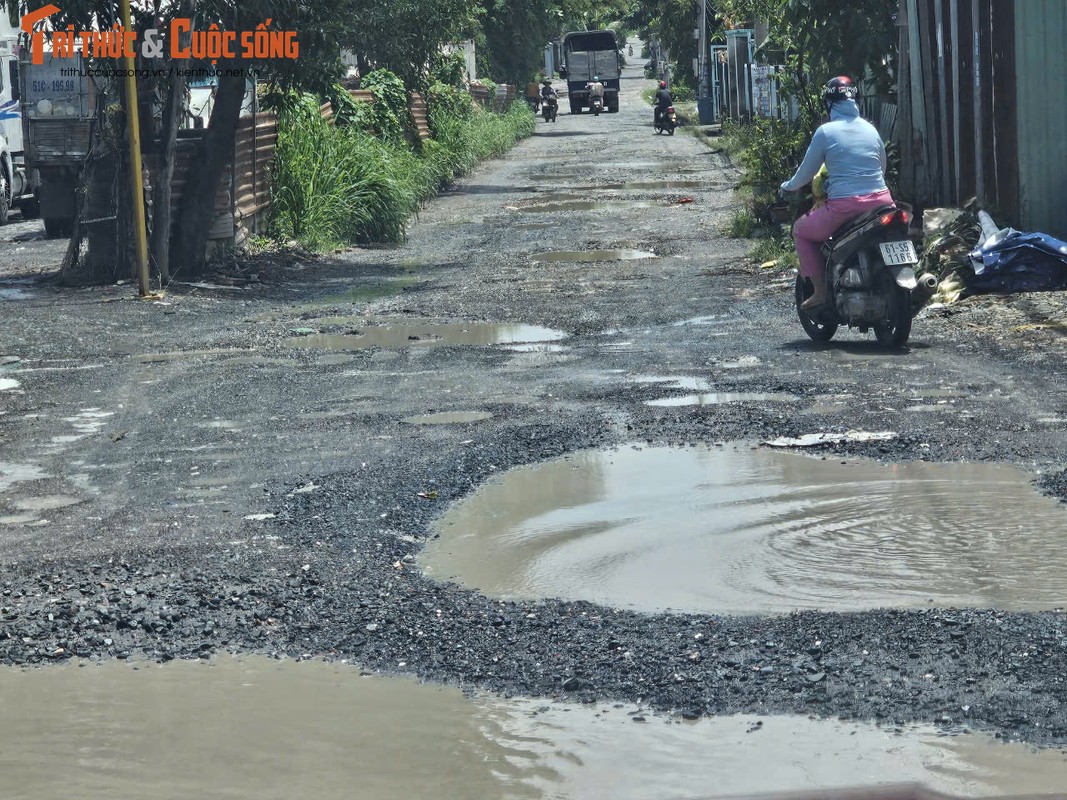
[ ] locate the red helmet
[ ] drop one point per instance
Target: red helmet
(663, 84)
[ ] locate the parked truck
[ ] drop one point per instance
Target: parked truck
(589, 54)
(58, 105)
(16, 181)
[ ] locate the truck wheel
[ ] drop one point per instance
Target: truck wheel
(58, 227)
(576, 107)
(4, 203)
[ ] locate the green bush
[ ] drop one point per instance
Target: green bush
(779, 248)
(334, 186)
(768, 150)
(340, 185)
(389, 116)
(743, 223)
(447, 102)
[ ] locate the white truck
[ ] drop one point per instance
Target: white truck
(17, 188)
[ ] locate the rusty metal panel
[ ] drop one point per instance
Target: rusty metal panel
(1041, 65)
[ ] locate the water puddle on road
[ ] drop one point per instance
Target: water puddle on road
(47, 503)
(593, 255)
(10, 474)
(719, 398)
(415, 334)
(275, 730)
(579, 205)
(8, 384)
(710, 319)
(741, 530)
(674, 382)
(448, 418)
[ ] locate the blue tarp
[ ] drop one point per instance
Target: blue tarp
(1010, 261)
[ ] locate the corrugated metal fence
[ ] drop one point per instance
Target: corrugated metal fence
(981, 107)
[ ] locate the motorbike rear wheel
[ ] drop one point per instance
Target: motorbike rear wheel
(895, 331)
(817, 331)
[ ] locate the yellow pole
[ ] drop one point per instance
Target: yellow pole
(133, 130)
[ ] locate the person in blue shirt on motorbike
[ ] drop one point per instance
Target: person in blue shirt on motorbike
(854, 155)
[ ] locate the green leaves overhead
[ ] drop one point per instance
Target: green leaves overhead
(404, 35)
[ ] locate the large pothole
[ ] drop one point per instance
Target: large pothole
(742, 530)
(273, 729)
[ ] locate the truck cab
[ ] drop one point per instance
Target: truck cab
(16, 189)
(587, 54)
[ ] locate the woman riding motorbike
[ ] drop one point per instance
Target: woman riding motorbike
(854, 155)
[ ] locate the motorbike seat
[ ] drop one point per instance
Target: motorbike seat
(860, 221)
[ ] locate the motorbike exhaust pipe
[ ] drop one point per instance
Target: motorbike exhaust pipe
(925, 290)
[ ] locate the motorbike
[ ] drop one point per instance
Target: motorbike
(870, 278)
(549, 108)
(597, 104)
(666, 120)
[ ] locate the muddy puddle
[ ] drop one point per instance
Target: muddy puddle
(593, 255)
(737, 529)
(423, 335)
(448, 418)
(279, 729)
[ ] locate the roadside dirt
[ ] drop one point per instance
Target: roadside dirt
(185, 476)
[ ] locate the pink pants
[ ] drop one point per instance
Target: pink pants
(815, 227)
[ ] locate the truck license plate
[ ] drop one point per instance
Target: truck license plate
(896, 253)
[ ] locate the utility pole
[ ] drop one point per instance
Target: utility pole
(133, 132)
(703, 96)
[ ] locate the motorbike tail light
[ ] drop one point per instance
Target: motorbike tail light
(670, 109)
(901, 215)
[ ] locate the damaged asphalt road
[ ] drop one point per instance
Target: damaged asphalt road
(185, 477)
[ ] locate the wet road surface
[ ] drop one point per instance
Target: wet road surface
(243, 469)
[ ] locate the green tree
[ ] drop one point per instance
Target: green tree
(404, 36)
(319, 28)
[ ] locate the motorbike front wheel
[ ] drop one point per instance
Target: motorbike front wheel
(670, 130)
(817, 331)
(894, 332)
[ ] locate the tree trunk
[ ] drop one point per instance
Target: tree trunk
(215, 150)
(168, 137)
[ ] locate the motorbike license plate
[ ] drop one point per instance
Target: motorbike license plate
(896, 253)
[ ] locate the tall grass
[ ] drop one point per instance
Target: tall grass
(335, 186)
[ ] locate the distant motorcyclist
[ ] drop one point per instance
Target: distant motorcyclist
(630, 50)
(663, 101)
(532, 96)
(595, 88)
(548, 91)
